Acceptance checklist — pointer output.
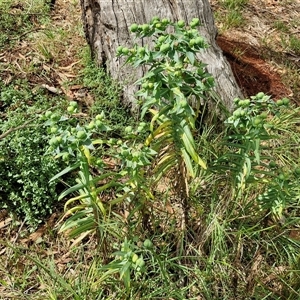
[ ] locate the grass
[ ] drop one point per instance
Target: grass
(234, 19)
(235, 249)
(234, 4)
(231, 13)
(295, 45)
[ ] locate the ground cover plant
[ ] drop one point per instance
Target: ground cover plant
(173, 207)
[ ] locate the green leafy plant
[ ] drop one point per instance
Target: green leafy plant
(171, 91)
(24, 169)
(250, 128)
(249, 199)
(126, 262)
(175, 80)
(146, 270)
(77, 146)
(73, 143)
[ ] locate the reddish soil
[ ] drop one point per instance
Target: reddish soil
(252, 73)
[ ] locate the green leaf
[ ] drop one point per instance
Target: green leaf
(189, 147)
(71, 190)
(257, 150)
(187, 162)
(65, 171)
(164, 167)
(125, 269)
(80, 222)
(191, 57)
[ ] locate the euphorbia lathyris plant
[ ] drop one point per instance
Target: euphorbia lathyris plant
(171, 91)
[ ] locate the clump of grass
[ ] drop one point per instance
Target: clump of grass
(294, 44)
(234, 19)
(281, 26)
(231, 14)
(234, 4)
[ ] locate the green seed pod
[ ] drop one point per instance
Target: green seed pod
(279, 102)
(81, 135)
(241, 103)
(242, 113)
(53, 129)
(286, 101)
(70, 109)
(91, 125)
(180, 23)
(260, 95)
(145, 85)
(272, 164)
(246, 103)
(155, 20)
(132, 51)
(165, 21)
(192, 42)
(140, 262)
(128, 129)
(134, 257)
(141, 50)
(98, 123)
(145, 27)
(55, 117)
(134, 28)
(256, 121)
(65, 156)
(165, 47)
(195, 22)
(148, 244)
(200, 41)
(125, 50)
(99, 162)
(99, 117)
(263, 115)
(119, 49)
(161, 39)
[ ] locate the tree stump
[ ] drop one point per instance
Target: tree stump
(106, 25)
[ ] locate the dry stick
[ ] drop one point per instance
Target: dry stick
(10, 251)
(25, 33)
(3, 135)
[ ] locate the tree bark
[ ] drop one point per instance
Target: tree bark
(106, 25)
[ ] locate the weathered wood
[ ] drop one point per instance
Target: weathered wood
(107, 22)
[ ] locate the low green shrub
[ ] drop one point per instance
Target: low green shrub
(25, 169)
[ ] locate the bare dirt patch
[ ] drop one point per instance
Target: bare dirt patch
(251, 72)
(264, 50)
